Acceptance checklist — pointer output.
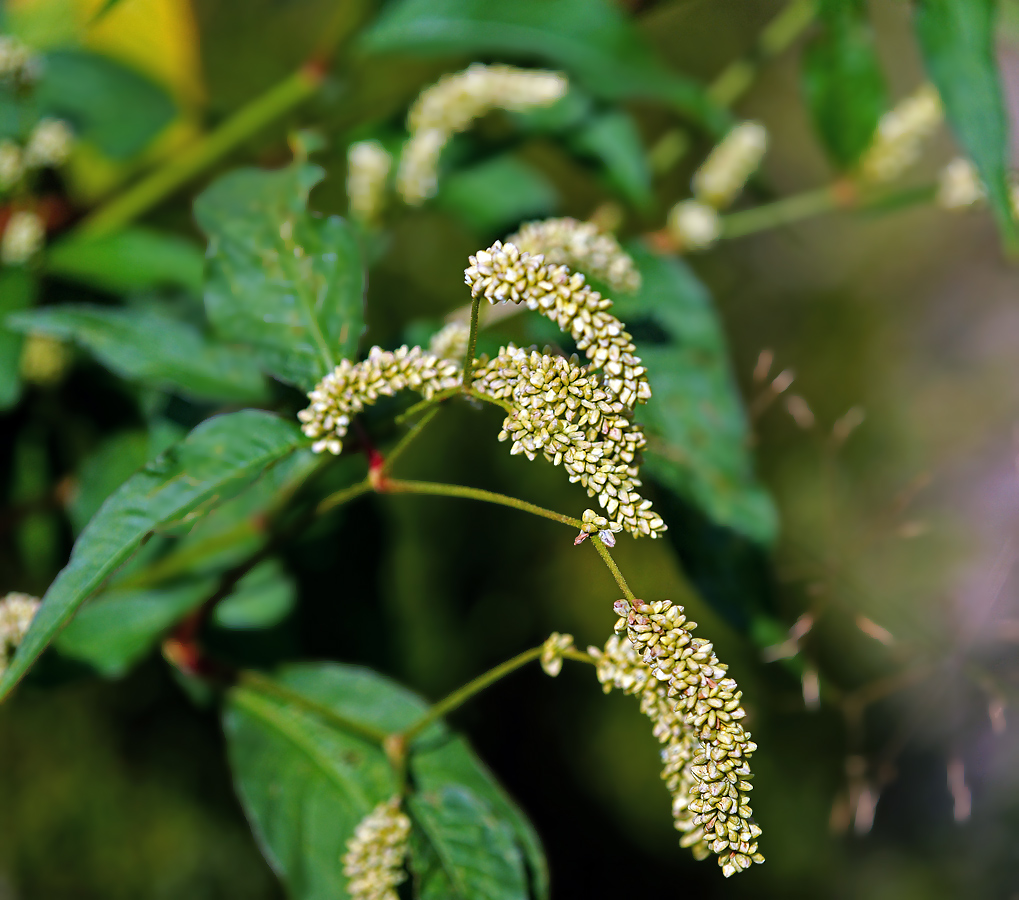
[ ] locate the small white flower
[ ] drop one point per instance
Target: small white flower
(900, 135)
(49, 145)
(552, 652)
(374, 859)
(694, 225)
(959, 185)
(724, 173)
(22, 238)
(368, 165)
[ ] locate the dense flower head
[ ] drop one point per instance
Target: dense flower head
(452, 104)
(693, 225)
(959, 185)
(723, 174)
(350, 387)
(17, 61)
(552, 652)
(49, 144)
(374, 859)
(368, 165)
(580, 245)
(504, 272)
(900, 135)
(22, 238)
(16, 614)
(563, 411)
(695, 710)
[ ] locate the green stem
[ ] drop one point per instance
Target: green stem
(468, 493)
(408, 438)
(343, 496)
(463, 694)
(434, 400)
(603, 552)
(781, 212)
(579, 656)
(245, 123)
(259, 684)
(472, 343)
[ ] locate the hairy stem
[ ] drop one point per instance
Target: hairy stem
(408, 439)
(472, 343)
(343, 496)
(243, 124)
(468, 493)
(603, 552)
(259, 684)
(463, 694)
(434, 400)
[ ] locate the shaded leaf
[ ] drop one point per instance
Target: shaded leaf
(842, 79)
(130, 260)
(697, 428)
(214, 462)
(957, 39)
(105, 470)
(476, 855)
(114, 107)
(591, 39)
(153, 348)
(305, 784)
(17, 292)
(612, 138)
(497, 194)
(263, 598)
(286, 282)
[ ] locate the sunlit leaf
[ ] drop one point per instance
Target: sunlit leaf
(281, 279)
(211, 464)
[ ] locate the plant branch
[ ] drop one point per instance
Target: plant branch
(472, 343)
(468, 493)
(345, 495)
(463, 694)
(259, 684)
(408, 439)
(246, 122)
(603, 552)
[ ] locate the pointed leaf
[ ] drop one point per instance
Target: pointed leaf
(591, 39)
(151, 347)
(279, 278)
(216, 460)
(957, 39)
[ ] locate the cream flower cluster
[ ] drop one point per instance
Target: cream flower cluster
(17, 61)
(580, 245)
(368, 165)
(694, 224)
(695, 708)
(22, 238)
(452, 104)
(959, 185)
(49, 146)
(450, 341)
(375, 854)
(900, 135)
(552, 652)
(561, 410)
(503, 272)
(350, 387)
(16, 614)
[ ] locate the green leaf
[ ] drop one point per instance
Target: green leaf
(279, 278)
(497, 194)
(263, 598)
(699, 438)
(153, 348)
(116, 630)
(211, 464)
(842, 79)
(476, 855)
(612, 138)
(957, 39)
(116, 108)
(591, 39)
(17, 292)
(305, 784)
(103, 471)
(134, 259)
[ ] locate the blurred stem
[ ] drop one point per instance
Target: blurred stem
(394, 486)
(472, 343)
(434, 400)
(408, 438)
(579, 656)
(259, 684)
(603, 552)
(242, 125)
(343, 496)
(463, 694)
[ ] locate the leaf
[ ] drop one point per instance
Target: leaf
(289, 284)
(134, 259)
(17, 292)
(591, 39)
(115, 631)
(263, 598)
(698, 433)
(957, 40)
(477, 858)
(842, 79)
(612, 138)
(215, 461)
(153, 348)
(497, 194)
(105, 470)
(114, 107)
(305, 784)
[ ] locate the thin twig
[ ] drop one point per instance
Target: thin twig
(603, 552)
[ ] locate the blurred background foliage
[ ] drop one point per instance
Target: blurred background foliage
(898, 543)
